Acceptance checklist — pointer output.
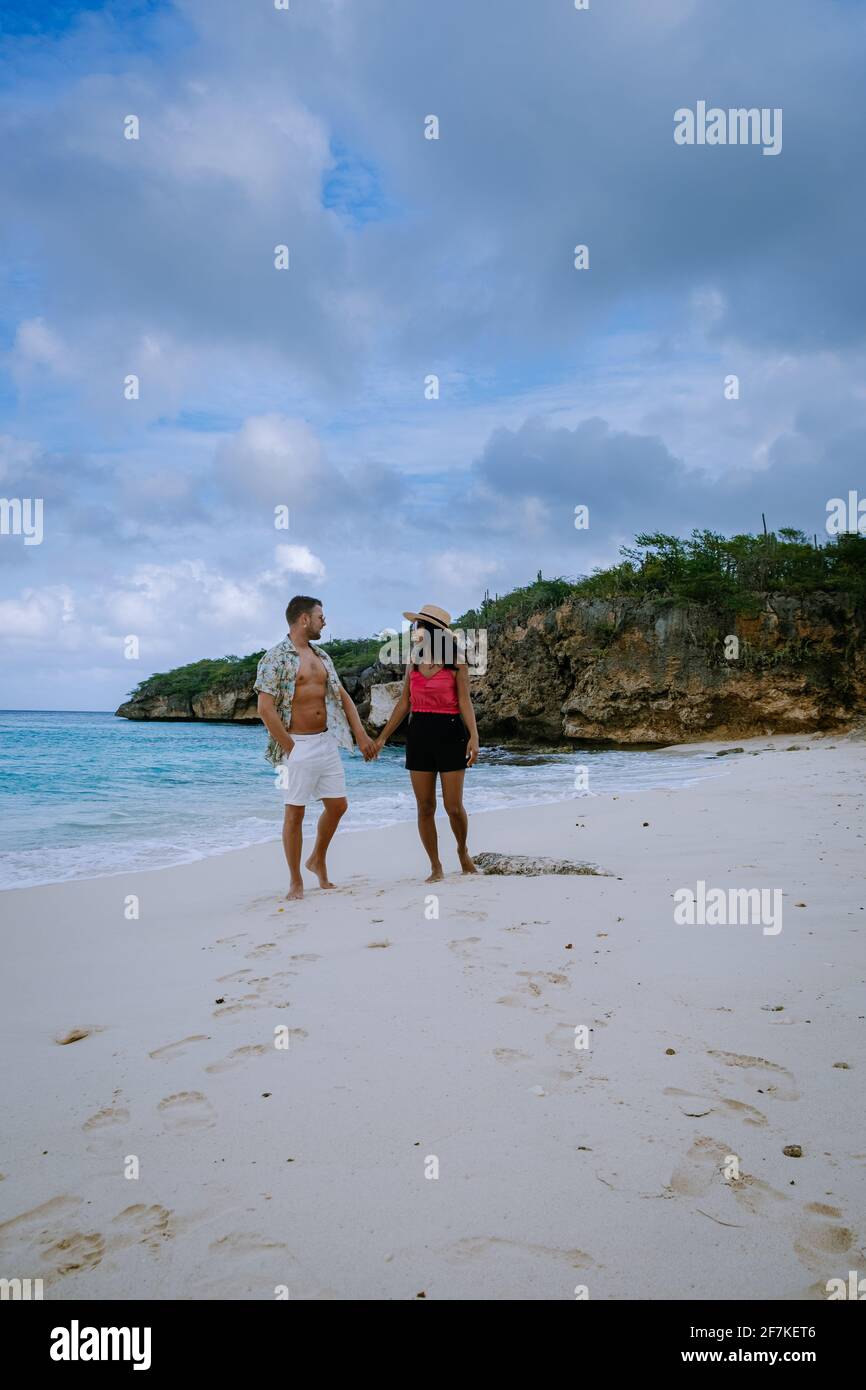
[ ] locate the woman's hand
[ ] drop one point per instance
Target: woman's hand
(472, 751)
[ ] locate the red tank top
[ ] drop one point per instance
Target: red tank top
(434, 695)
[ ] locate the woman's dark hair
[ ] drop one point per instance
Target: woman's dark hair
(443, 646)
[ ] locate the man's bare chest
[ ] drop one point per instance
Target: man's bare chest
(312, 677)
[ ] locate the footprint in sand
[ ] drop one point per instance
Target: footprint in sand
(105, 1119)
(550, 1079)
(756, 1195)
(266, 948)
(248, 1001)
(177, 1049)
(186, 1111)
(233, 975)
(747, 1113)
(714, 1105)
(25, 1238)
(822, 1209)
(230, 940)
(462, 946)
(818, 1242)
(50, 1240)
(532, 977)
(238, 1057)
(141, 1225)
(475, 953)
(73, 1253)
(562, 1038)
(473, 916)
(277, 982)
(533, 983)
(48, 1243)
(700, 1168)
(769, 1077)
(267, 900)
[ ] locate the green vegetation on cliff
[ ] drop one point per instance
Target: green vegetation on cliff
(200, 677)
(353, 653)
(728, 573)
(733, 572)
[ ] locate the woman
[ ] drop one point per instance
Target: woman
(442, 738)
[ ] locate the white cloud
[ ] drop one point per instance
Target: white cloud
(272, 458)
(462, 571)
(37, 614)
(299, 559)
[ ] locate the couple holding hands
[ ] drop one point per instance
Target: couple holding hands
(310, 716)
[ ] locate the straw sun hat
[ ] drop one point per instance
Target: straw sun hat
(431, 614)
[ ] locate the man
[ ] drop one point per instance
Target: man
(308, 715)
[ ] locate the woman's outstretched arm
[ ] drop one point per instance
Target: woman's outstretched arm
(398, 713)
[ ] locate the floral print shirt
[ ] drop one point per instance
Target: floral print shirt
(276, 675)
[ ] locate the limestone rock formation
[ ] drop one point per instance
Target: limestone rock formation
(383, 698)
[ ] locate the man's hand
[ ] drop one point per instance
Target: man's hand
(367, 747)
(472, 751)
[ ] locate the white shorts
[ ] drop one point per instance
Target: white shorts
(313, 769)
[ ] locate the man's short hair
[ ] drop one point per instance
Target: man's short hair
(301, 603)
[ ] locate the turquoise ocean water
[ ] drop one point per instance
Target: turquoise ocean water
(82, 795)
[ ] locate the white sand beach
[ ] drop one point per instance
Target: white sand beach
(413, 1038)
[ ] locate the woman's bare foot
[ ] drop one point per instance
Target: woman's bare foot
(437, 874)
(295, 892)
(466, 862)
(318, 868)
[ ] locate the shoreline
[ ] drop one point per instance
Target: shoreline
(414, 1037)
(539, 798)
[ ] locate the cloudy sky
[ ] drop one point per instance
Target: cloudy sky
(408, 258)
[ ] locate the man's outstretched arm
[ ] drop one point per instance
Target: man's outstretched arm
(362, 738)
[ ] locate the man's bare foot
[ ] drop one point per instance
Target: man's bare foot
(295, 892)
(321, 872)
(436, 876)
(466, 862)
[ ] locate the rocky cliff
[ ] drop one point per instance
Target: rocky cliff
(644, 672)
(222, 706)
(634, 672)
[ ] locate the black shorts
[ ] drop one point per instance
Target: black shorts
(436, 743)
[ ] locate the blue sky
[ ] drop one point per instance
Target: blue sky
(408, 258)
